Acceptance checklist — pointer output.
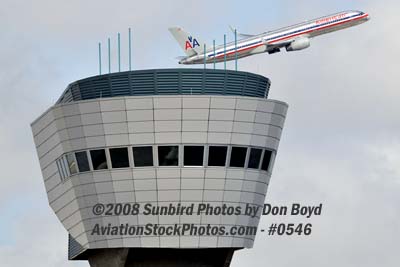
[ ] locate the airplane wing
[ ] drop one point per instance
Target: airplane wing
(298, 43)
(241, 34)
(280, 44)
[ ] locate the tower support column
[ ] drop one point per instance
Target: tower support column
(111, 257)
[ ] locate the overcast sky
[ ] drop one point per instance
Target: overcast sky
(340, 145)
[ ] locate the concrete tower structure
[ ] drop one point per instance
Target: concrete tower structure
(114, 143)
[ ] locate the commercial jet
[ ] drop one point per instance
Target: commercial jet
(292, 38)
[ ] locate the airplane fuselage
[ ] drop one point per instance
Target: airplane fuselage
(292, 38)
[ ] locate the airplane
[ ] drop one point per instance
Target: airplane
(292, 38)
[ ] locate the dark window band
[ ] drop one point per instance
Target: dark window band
(167, 155)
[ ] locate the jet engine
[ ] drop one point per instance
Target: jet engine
(298, 44)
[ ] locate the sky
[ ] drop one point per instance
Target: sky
(340, 145)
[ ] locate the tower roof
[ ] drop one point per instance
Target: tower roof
(182, 81)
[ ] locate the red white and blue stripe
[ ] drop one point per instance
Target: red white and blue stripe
(285, 35)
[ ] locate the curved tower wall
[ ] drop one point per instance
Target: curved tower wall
(155, 121)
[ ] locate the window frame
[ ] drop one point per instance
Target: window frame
(62, 170)
(64, 164)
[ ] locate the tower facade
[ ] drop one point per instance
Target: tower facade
(182, 149)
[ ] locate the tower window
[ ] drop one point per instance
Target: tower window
(143, 156)
(119, 157)
(99, 159)
(193, 155)
(168, 155)
(238, 156)
(71, 163)
(217, 155)
(266, 160)
(254, 159)
(82, 160)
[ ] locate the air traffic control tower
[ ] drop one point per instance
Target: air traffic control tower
(116, 143)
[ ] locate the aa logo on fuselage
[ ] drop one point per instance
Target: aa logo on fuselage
(191, 43)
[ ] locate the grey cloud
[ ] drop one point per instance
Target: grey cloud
(340, 147)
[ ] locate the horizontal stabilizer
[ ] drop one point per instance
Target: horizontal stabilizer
(181, 57)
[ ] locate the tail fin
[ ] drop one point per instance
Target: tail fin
(190, 45)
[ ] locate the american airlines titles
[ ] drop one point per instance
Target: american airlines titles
(324, 20)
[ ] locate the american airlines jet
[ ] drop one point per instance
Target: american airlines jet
(293, 38)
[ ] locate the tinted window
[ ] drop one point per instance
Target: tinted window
(193, 156)
(82, 160)
(168, 155)
(254, 159)
(99, 160)
(217, 155)
(71, 163)
(143, 156)
(119, 157)
(266, 160)
(238, 156)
